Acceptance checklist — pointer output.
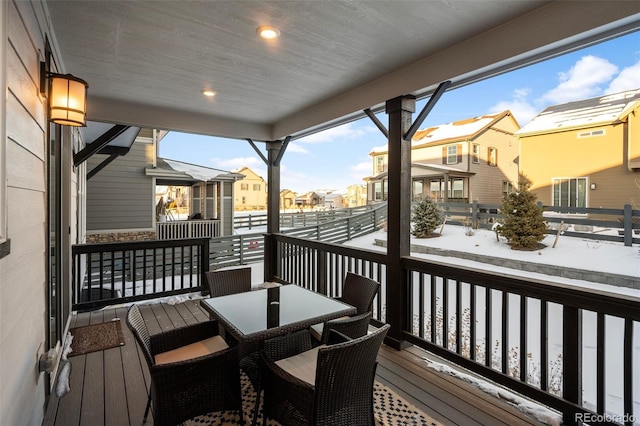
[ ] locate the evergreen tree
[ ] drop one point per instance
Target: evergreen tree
(523, 224)
(426, 217)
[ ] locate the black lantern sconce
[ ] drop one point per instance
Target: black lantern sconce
(66, 97)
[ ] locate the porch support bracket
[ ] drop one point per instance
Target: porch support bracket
(99, 143)
(433, 100)
(377, 122)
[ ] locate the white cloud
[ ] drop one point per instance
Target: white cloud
(297, 148)
(237, 163)
(521, 108)
(582, 81)
(345, 131)
(357, 172)
(628, 79)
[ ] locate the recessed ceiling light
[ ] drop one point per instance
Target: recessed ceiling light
(208, 93)
(268, 32)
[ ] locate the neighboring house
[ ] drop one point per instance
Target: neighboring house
(585, 153)
(333, 200)
(464, 161)
(251, 192)
(356, 196)
(211, 189)
(121, 202)
(310, 199)
(287, 199)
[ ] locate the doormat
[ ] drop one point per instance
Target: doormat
(389, 409)
(96, 337)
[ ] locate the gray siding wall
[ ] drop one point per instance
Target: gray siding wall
(120, 196)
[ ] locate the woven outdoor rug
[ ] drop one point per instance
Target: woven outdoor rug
(389, 410)
(97, 337)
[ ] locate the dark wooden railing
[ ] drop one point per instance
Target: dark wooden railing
(111, 273)
(105, 274)
(572, 349)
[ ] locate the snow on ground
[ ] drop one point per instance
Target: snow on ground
(572, 252)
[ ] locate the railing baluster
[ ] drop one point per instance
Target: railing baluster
(505, 332)
(600, 362)
(458, 317)
(472, 322)
(420, 304)
(487, 321)
(445, 312)
(571, 356)
(544, 351)
(523, 338)
(434, 309)
(627, 372)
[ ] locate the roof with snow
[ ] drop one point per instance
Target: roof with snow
(450, 132)
(174, 170)
(584, 113)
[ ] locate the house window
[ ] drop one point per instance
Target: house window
(418, 187)
(475, 154)
(244, 187)
(570, 192)
(379, 167)
(435, 189)
(452, 154)
(456, 188)
(492, 156)
(380, 191)
(244, 200)
(507, 187)
(256, 187)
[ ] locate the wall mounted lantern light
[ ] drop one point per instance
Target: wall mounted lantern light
(66, 96)
(593, 186)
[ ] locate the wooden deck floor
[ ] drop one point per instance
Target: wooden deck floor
(110, 387)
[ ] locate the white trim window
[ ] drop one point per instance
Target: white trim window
(475, 153)
(570, 192)
(452, 154)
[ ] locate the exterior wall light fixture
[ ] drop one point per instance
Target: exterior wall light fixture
(66, 96)
(593, 186)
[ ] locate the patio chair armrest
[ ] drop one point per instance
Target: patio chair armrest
(336, 337)
(178, 337)
(288, 345)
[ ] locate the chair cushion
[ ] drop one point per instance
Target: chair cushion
(194, 350)
(317, 329)
(303, 365)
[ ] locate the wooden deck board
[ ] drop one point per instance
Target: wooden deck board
(111, 387)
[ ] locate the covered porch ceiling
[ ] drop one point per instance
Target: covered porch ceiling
(147, 62)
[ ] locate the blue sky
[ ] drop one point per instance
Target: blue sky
(313, 163)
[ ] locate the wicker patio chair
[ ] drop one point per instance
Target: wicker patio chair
(357, 291)
(229, 281)
(327, 385)
(193, 371)
(352, 327)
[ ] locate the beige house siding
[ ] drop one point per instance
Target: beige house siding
(250, 193)
(602, 160)
(23, 309)
(486, 185)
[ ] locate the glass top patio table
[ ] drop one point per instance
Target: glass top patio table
(265, 313)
